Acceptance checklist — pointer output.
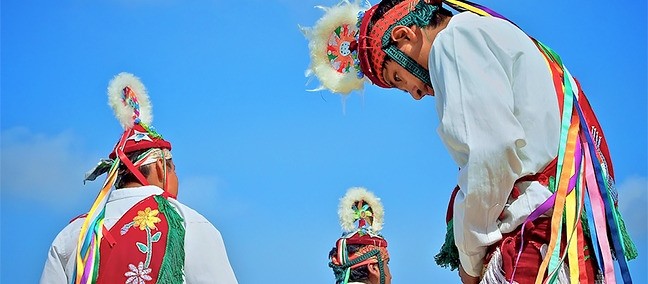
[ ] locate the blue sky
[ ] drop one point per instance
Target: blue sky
(262, 158)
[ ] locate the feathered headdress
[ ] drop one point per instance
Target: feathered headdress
(333, 45)
(130, 103)
(360, 211)
(347, 49)
(361, 217)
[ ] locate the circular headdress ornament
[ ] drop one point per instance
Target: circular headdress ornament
(333, 45)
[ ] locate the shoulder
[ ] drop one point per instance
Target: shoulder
(65, 241)
(190, 215)
(480, 28)
(80, 216)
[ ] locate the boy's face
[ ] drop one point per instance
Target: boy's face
(397, 77)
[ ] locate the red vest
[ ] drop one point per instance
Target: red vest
(132, 251)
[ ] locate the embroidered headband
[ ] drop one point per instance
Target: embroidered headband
(375, 45)
(361, 218)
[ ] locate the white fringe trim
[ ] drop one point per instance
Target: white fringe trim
(494, 273)
(563, 274)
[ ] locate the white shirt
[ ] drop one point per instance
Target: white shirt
(499, 119)
(205, 256)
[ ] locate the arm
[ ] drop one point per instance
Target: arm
(471, 75)
(54, 268)
(60, 262)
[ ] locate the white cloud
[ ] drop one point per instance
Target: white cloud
(633, 205)
(42, 167)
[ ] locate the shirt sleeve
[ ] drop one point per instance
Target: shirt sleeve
(471, 73)
(60, 262)
(206, 259)
(54, 269)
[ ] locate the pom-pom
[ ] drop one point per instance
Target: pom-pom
(333, 48)
(362, 207)
(128, 98)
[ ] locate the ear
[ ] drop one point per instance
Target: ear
(159, 171)
(373, 269)
(403, 34)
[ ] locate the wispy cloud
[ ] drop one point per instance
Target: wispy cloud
(208, 196)
(42, 167)
(633, 204)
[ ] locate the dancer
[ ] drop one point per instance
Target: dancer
(535, 199)
(139, 232)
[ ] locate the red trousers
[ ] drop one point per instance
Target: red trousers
(536, 235)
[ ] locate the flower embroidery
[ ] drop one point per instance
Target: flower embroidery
(146, 219)
(138, 275)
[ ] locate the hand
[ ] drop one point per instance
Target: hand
(466, 278)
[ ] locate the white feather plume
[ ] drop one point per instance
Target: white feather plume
(123, 111)
(343, 13)
(346, 213)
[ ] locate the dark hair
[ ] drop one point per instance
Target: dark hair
(358, 274)
(386, 5)
(125, 176)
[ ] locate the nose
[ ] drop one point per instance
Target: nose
(416, 93)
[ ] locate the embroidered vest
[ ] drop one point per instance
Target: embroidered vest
(144, 245)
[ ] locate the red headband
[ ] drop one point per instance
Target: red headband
(370, 50)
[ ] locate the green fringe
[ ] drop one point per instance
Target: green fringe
(629, 248)
(449, 254)
(172, 269)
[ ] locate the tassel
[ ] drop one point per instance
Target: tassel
(629, 248)
(172, 269)
(449, 254)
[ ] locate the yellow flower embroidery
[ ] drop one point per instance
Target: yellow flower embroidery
(146, 219)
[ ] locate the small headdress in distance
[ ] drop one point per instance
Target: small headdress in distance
(333, 48)
(361, 211)
(361, 217)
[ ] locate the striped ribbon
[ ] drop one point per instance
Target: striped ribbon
(87, 260)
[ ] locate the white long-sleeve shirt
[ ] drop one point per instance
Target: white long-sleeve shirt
(499, 119)
(206, 260)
